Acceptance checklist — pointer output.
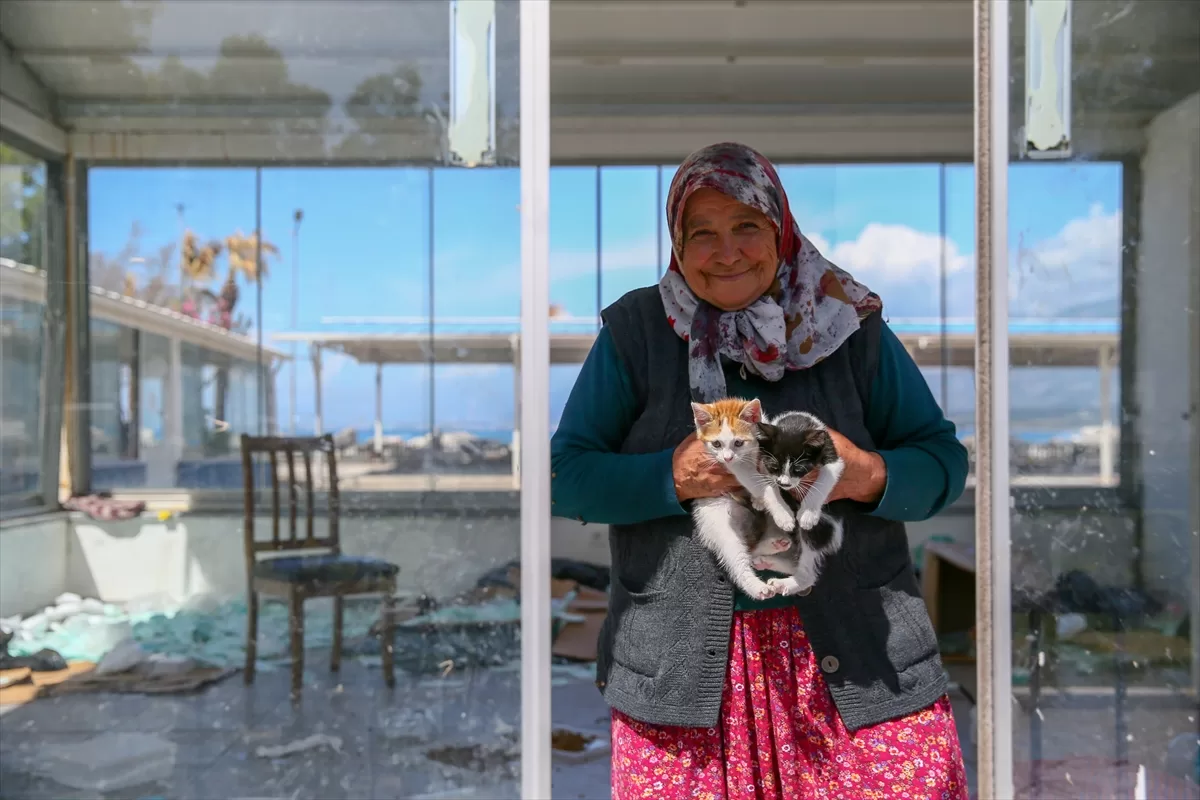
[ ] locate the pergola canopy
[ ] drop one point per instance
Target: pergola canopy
(634, 81)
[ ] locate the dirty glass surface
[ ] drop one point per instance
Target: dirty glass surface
(1105, 360)
(22, 307)
(290, 231)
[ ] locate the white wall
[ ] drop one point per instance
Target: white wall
(33, 562)
(1169, 255)
(440, 553)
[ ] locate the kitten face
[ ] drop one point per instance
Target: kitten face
(788, 456)
(727, 428)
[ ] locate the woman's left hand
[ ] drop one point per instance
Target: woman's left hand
(865, 476)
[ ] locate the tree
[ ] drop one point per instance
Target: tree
(22, 206)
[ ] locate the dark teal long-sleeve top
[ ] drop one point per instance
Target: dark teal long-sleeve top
(591, 480)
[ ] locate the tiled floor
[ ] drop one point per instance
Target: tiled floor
(430, 737)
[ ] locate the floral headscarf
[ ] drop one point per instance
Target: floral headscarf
(808, 312)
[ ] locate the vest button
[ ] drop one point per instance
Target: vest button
(830, 664)
(600, 684)
(712, 652)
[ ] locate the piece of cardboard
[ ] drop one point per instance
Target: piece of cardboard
(24, 689)
(577, 640)
(589, 599)
(560, 588)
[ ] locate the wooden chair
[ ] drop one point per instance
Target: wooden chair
(324, 573)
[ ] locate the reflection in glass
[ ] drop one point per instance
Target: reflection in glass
(201, 286)
(1104, 360)
(22, 308)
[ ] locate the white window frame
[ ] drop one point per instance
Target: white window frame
(535, 400)
(993, 587)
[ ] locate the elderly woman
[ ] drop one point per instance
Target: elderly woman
(839, 693)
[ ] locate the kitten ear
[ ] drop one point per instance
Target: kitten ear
(701, 414)
(752, 413)
(765, 431)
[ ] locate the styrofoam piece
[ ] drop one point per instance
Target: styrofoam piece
(314, 742)
(109, 762)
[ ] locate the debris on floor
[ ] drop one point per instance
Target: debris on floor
(314, 742)
(576, 747)
(213, 635)
(163, 647)
(20, 686)
(501, 759)
(110, 762)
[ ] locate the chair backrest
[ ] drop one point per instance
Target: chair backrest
(289, 447)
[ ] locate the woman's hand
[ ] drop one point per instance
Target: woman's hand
(865, 476)
(697, 474)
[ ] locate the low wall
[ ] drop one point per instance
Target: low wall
(33, 562)
(442, 551)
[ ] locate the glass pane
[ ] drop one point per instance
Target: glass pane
(308, 223)
(629, 216)
(22, 307)
(1104, 368)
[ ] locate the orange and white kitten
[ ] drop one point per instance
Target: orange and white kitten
(723, 524)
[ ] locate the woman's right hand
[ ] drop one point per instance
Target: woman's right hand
(697, 474)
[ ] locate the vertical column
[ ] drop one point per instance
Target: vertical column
(1107, 439)
(535, 399)
(993, 612)
(379, 409)
(515, 344)
(315, 353)
(173, 402)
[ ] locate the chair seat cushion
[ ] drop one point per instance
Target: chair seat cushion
(323, 568)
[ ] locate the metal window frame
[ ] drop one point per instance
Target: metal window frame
(535, 399)
(54, 339)
(78, 395)
(993, 587)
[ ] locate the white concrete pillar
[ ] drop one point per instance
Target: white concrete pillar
(318, 423)
(173, 422)
(1107, 434)
(379, 409)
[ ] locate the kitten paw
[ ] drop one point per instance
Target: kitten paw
(783, 520)
(808, 518)
(761, 564)
(783, 586)
(762, 591)
(757, 503)
(779, 545)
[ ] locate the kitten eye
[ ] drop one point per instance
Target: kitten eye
(738, 442)
(715, 445)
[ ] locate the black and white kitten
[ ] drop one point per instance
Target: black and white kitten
(791, 446)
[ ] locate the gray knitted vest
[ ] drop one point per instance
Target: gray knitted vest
(665, 642)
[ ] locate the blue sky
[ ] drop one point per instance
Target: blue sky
(365, 251)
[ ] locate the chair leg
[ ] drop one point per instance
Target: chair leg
(296, 626)
(251, 636)
(335, 651)
(387, 640)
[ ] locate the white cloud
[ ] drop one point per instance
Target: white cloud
(1077, 268)
(894, 252)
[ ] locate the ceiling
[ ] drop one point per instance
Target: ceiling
(632, 80)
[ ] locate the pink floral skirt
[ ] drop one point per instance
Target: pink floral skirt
(781, 738)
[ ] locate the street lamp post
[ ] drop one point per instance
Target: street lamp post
(297, 218)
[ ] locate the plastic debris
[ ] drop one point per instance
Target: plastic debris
(314, 742)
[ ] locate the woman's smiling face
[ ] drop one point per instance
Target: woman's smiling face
(729, 253)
